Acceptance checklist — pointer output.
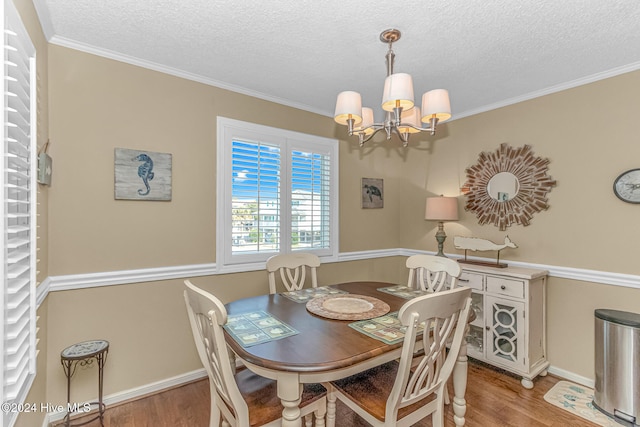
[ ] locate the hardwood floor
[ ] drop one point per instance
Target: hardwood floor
(494, 398)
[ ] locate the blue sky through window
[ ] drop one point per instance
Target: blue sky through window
(256, 171)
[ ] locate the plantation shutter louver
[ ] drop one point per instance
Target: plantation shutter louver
(310, 200)
(255, 197)
(19, 191)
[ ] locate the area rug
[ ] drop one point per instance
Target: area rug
(578, 400)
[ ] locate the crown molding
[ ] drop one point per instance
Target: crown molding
(552, 89)
(150, 65)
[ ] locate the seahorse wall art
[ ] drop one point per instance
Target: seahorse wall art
(142, 175)
(145, 172)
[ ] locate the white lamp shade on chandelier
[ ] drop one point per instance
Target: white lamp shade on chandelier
(402, 116)
(348, 106)
(410, 117)
(367, 121)
(436, 103)
(398, 92)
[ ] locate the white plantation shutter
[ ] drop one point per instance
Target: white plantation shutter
(310, 200)
(255, 197)
(277, 193)
(18, 184)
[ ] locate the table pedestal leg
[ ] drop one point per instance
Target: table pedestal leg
(290, 394)
(460, 385)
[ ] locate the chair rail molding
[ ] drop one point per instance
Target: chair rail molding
(122, 277)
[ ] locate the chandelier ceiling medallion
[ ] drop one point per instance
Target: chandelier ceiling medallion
(402, 117)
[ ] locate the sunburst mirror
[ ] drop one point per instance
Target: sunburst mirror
(507, 186)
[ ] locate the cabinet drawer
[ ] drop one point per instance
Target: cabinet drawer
(474, 281)
(502, 286)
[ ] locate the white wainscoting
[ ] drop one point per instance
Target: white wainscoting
(91, 280)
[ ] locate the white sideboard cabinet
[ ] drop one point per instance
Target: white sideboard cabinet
(509, 331)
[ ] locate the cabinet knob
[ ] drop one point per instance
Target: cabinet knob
(503, 287)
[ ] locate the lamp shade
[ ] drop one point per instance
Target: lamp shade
(441, 209)
(436, 102)
(367, 120)
(348, 105)
(410, 117)
(397, 87)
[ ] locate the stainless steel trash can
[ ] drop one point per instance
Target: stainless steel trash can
(617, 365)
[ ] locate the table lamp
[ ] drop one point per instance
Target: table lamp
(441, 209)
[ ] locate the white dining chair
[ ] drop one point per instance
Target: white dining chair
(241, 399)
(292, 269)
(395, 394)
(432, 273)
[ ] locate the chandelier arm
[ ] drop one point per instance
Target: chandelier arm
(376, 127)
(432, 127)
(402, 135)
(406, 139)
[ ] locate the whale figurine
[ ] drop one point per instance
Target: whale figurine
(478, 244)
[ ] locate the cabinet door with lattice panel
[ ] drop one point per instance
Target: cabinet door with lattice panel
(505, 342)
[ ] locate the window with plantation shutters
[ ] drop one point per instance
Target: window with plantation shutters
(277, 193)
(19, 190)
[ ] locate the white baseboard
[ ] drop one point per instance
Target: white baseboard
(588, 382)
(158, 386)
(137, 392)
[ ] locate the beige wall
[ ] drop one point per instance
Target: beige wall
(570, 320)
(97, 104)
(589, 135)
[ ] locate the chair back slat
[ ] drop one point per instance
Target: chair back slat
(444, 314)
(293, 270)
(432, 273)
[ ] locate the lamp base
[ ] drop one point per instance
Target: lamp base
(440, 238)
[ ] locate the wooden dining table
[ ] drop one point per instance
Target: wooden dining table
(324, 349)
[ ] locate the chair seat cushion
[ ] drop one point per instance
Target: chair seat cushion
(261, 395)
(370, 390)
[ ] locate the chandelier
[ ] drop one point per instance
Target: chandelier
(402, 117)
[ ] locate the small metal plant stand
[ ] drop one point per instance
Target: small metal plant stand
(84, 354)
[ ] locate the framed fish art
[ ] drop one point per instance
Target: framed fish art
(372, 193)
(142, 175)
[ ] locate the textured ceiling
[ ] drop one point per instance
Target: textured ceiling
(304, 52)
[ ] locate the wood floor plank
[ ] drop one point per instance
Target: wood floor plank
(494, 398)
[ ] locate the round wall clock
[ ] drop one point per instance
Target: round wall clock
(627, 186)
